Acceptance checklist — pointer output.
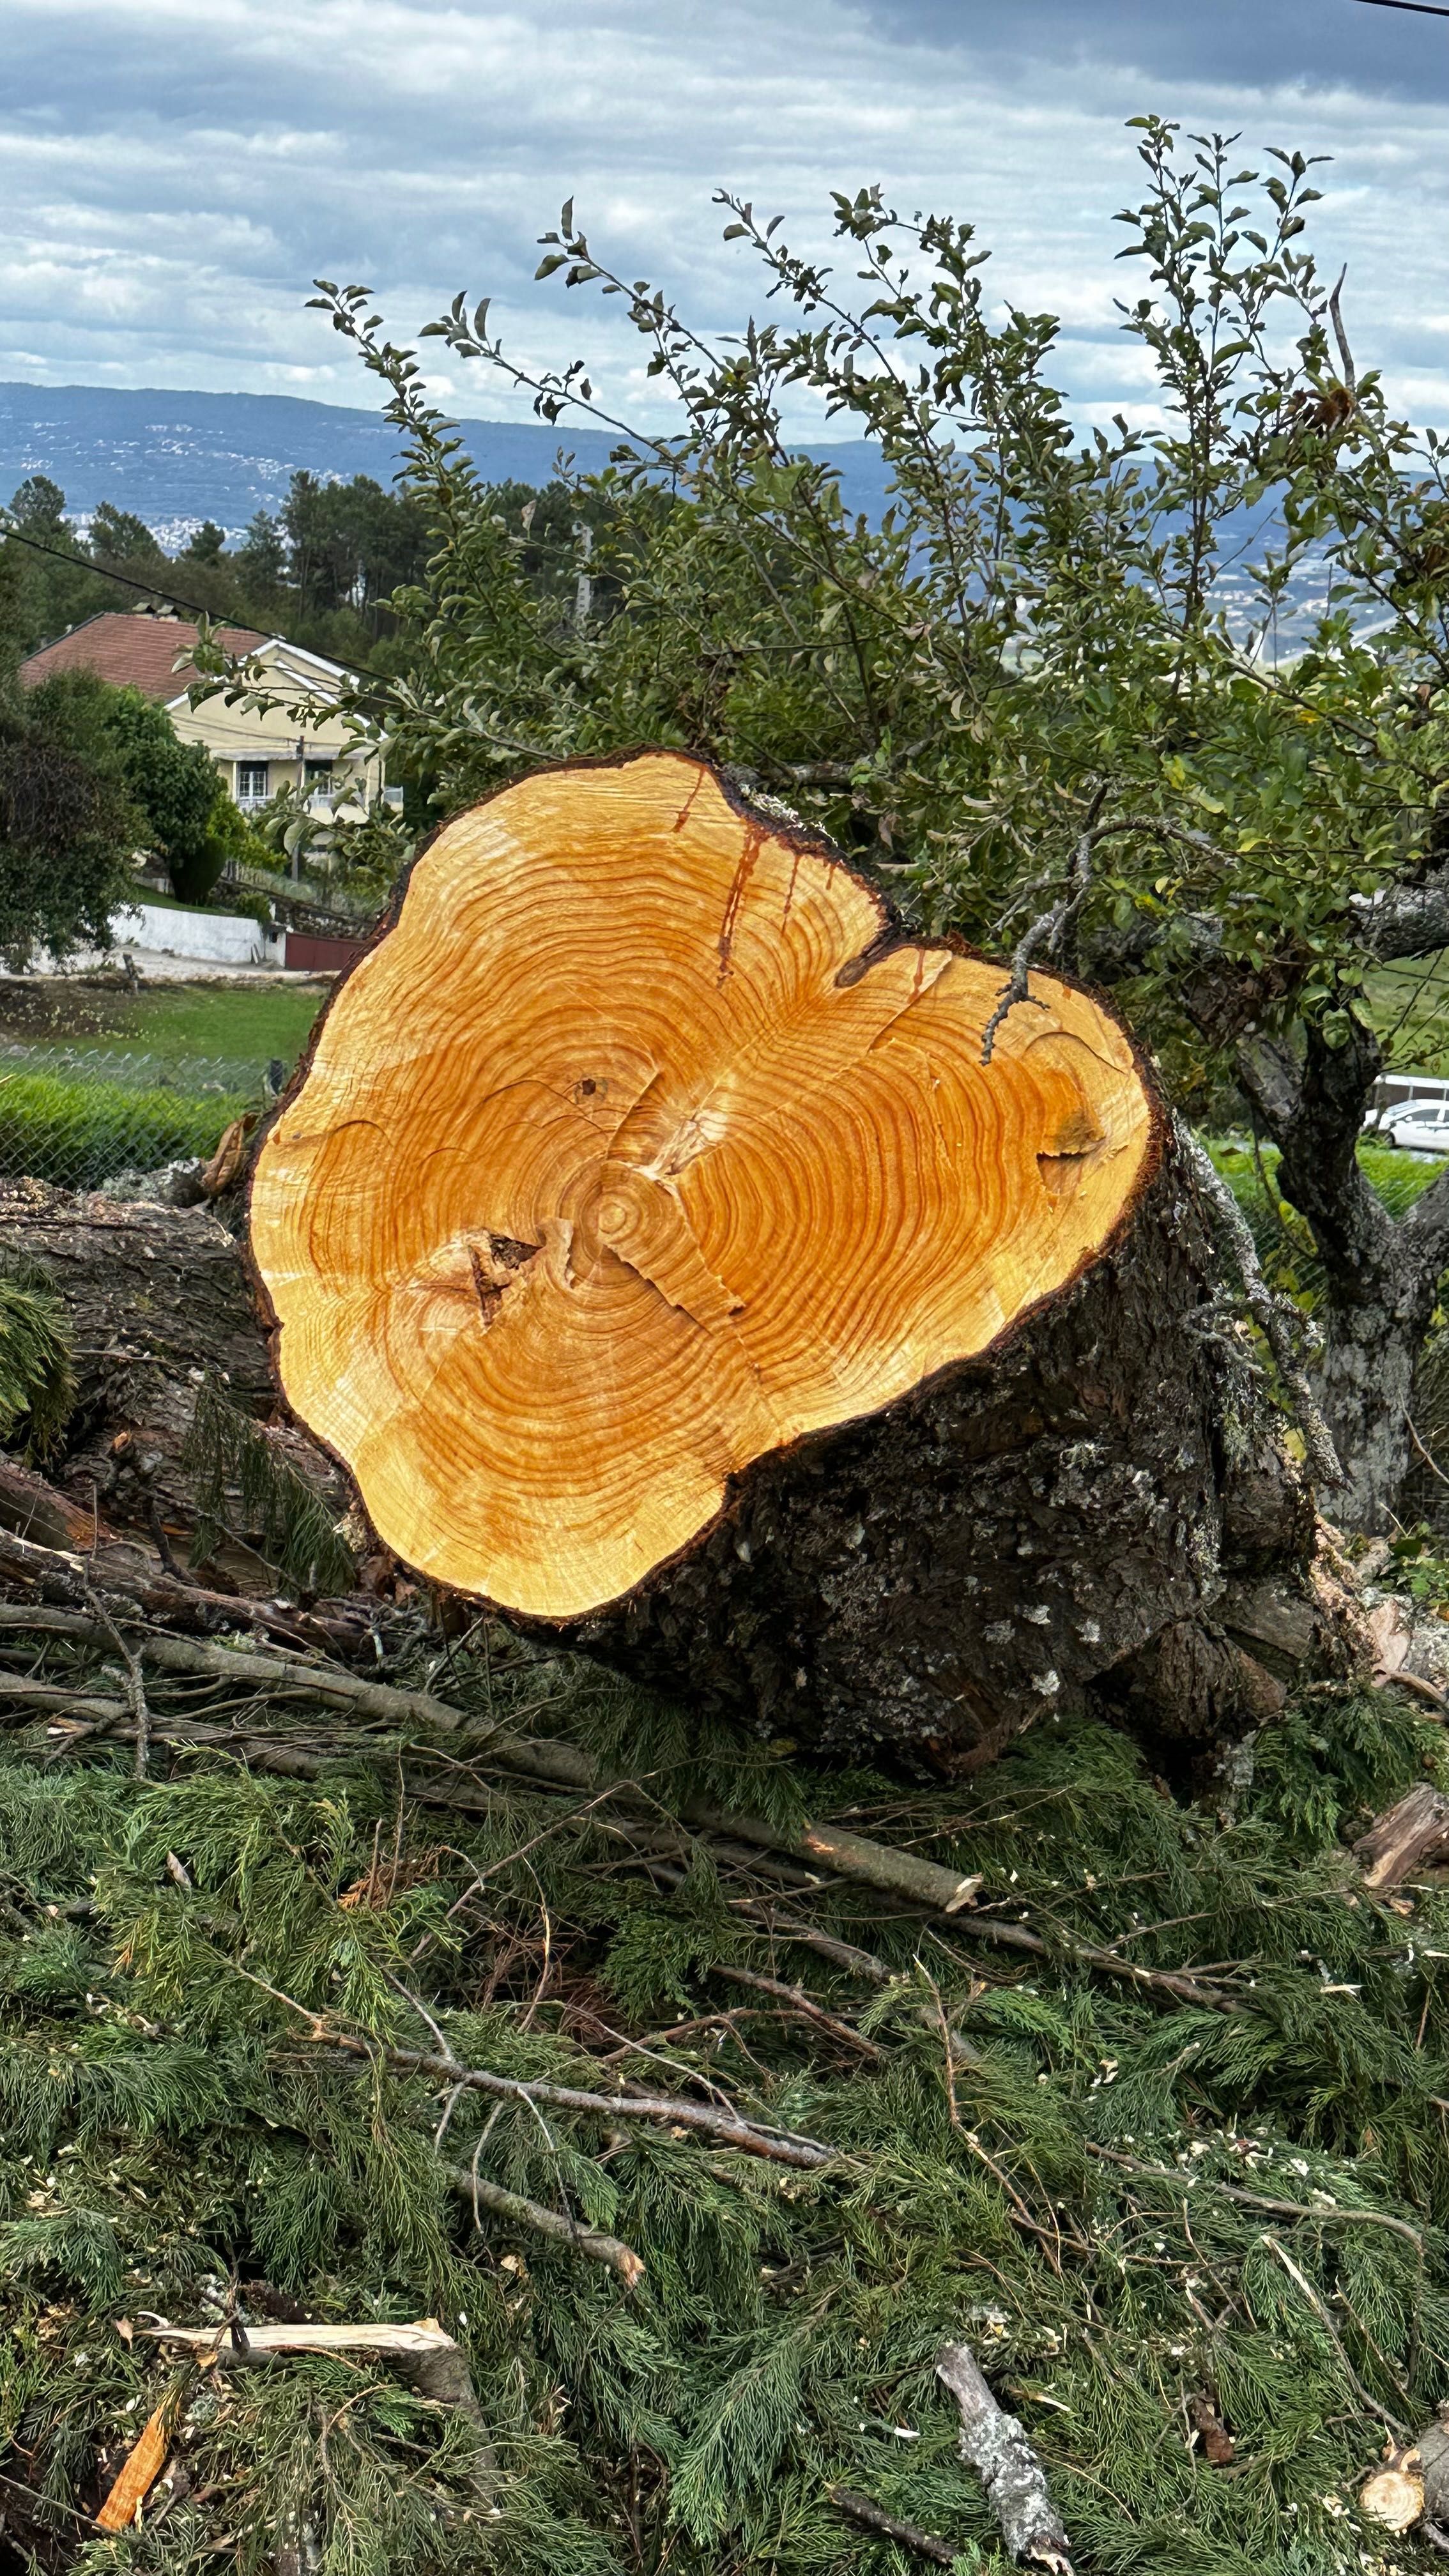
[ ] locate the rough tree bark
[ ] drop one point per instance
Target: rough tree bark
(155, 1297)
(1311, 1100)
(651, 1241)
(1381, 1274)
(997, 2448)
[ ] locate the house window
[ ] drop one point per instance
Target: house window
(318, 772)
(251, 782)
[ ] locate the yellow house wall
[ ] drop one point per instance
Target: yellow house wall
(233, 734)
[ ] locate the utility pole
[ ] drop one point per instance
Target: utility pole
(583, 586)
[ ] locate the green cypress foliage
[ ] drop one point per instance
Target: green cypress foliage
(231, 1458)
(37, 1381)
(1127, 2203)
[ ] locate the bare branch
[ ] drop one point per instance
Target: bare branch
(1049, 933)
(1341, 336)
(997, 2448)
(1281, 1325)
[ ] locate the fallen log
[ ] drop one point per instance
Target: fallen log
(649, 1238)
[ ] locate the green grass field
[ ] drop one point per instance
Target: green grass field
(95, 1080)
(78, 1133)
(239, 1023)
(230, 1020)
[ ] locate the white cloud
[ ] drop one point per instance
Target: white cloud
(174, 179)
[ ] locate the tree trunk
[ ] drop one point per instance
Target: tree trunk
(1382, 1277)
(1365, 1386)
(155, 1298)
(652, 1239)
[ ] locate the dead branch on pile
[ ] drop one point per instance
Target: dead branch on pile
(997, 2448)
(729, 2127)
(581, 2239)
(886, 2526)
(1007, 1936)
(135, 1585)
(801, 2003)
(431, 2357)
(135, 1688)
(896, 1873)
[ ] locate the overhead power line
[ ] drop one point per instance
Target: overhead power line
(153, 590)
(1416, 8)
(86, 563)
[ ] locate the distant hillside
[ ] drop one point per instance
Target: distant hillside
(178, 458)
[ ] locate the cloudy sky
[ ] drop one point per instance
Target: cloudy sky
(172, 176)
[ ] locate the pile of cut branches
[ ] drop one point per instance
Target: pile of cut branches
(698, 2104)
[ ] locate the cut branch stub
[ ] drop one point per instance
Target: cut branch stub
(643, 1147)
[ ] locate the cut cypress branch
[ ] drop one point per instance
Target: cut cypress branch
(903, 1874)
(728, 2128)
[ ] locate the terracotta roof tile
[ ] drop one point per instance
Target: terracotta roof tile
(131, 650)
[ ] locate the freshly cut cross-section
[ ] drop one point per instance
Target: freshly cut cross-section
(649, 1239)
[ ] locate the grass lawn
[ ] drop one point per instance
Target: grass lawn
(241, 1023)
(231, 1020)
(77, 1133)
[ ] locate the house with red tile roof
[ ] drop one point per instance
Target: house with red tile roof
(300, 740)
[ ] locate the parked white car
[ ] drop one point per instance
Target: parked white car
(1417, 1126)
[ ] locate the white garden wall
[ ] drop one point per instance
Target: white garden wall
(227, 938)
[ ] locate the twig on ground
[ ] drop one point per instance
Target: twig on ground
(134, 1686)
(897, 1873)
(805, 2005)
(730, 2127)
(431, 2357)
(997, 2447)
(592, 2241)
(886, 2526)
(1330, 2329)
(1171, 1981)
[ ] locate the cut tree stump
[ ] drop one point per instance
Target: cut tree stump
(649, 1240)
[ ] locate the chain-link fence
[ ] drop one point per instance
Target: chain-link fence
(83, 1117)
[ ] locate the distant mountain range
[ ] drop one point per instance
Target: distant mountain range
(178, 458)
